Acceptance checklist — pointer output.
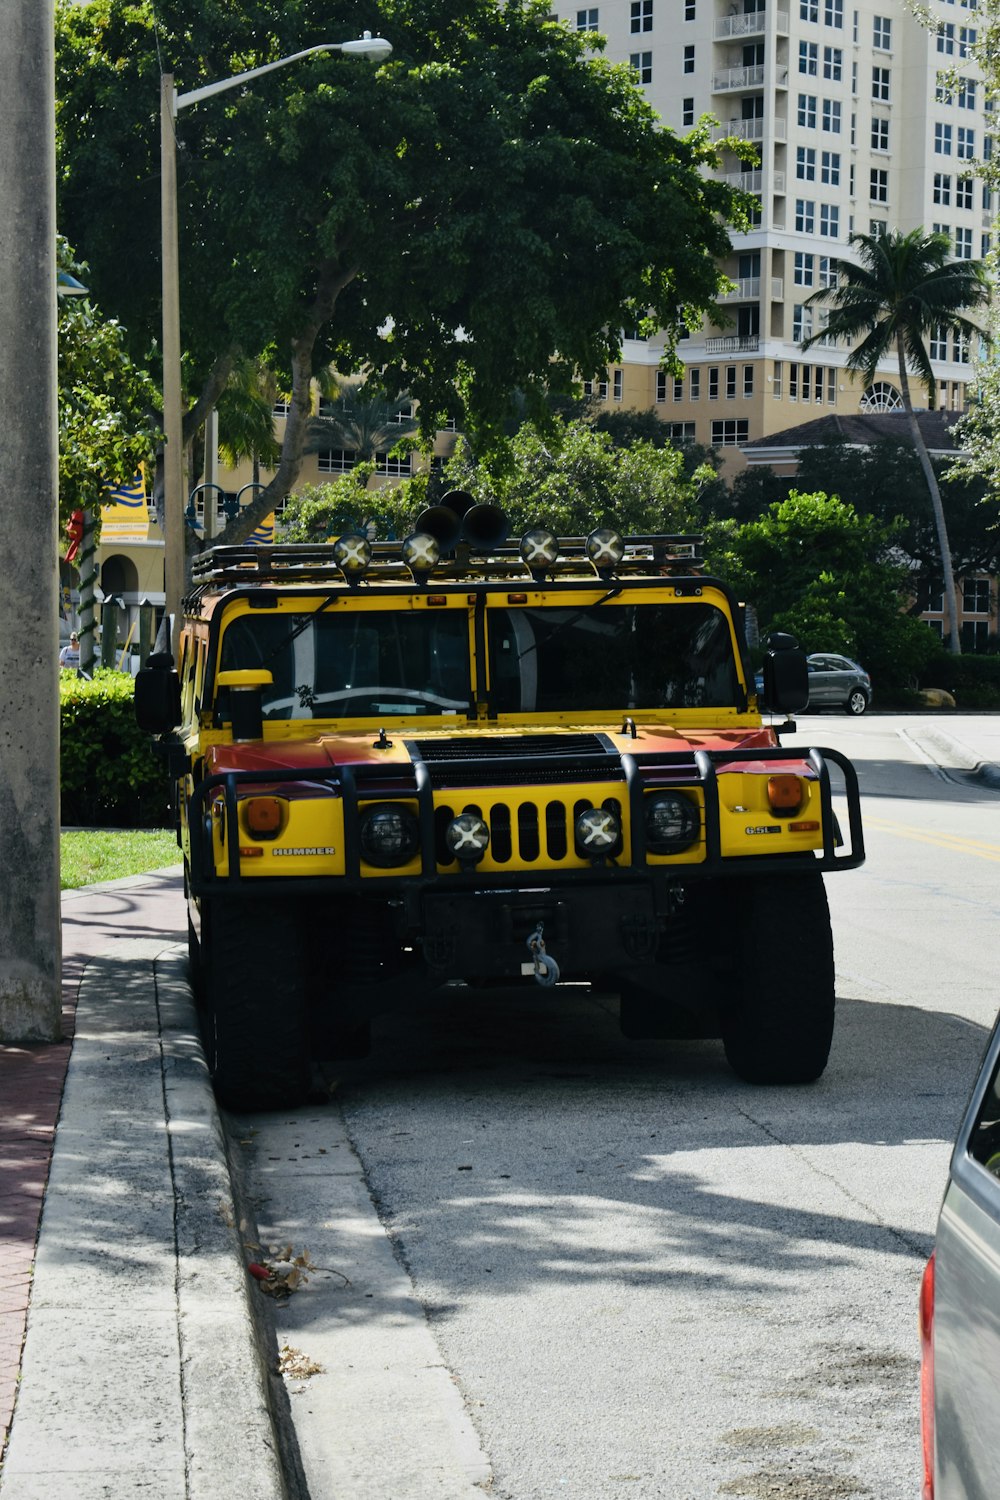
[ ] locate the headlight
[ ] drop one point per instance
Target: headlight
(539, 549)
(673, 822)
(598, 832)
(421, 552)
(468, 837)
(605, 548)
(352, 554)
(389, 835)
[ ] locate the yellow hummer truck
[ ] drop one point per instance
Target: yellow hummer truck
(464, 757)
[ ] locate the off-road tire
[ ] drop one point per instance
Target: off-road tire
(257, 1046)
(777, 1018)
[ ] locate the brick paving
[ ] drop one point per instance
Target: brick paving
(31, 1084)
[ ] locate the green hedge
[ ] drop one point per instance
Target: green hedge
(110, 776)
(972, 680)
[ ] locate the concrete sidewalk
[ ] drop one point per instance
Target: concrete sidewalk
(140, 1371)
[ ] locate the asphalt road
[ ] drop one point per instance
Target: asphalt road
(614, 1271)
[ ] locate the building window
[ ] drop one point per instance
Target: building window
(802, 322)
(809, 58)
(963, 244)
(695, 385)
(730, 382)
(392, 463)
(976, 596)
(713, 383)
(966, 97)
(965, 145)
(642, 63)
(806, 114)
(680, 432)
(808, 10)
(966, 40)
(942, 188)
(596, 388)
(802, 274)
(960, 348)
(748, 380)
(879, 185)
(975, 635)
(678, 387)
(881, 34)
(689, 59)
(985, 246)
(833, 13)
(880, 84)
(776, 383)
(937, 344)
(586, 20)
(946, 38)
(642, 15)
(833, 63)
(281, 407)
(829, 270)
(942, 139)
(880, 135)
(805, 163)
(829, 220)
(963, 192)
(830, 168)
(731, 432)
(831, 387)
(687, 111)
(831, 116)
(661, 385)
(689, 10)
(877, 228)
(617, 386)
(336, 460)
(805, 216)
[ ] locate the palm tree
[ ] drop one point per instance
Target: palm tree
(246, 416)
(364, 419)
(903, 290)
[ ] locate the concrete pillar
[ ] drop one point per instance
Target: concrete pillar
(30, 948)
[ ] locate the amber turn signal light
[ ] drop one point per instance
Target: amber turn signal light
(784, 793)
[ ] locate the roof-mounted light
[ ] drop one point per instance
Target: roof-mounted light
(352, 554)
(421, 553)
(539, 549)
(605, 548)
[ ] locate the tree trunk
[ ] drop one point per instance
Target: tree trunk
(941, 526)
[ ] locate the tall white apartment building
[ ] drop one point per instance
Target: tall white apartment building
(853, 132)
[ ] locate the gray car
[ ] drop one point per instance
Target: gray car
(837, 682)
(960, 1309)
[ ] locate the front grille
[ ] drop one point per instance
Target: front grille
(522, 833)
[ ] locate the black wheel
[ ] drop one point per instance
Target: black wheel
(196, 964)
(857, 701)
(256, 1003)
(777, 1018)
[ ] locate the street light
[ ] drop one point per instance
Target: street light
(173, 465)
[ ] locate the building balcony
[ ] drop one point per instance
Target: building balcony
(745, 289)
(753, 24)
(750, 130)
(734, 343)
(730, 79)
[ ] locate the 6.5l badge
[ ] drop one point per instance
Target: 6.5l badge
(764, 828)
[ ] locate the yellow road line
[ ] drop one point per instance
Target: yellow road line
(979, 847)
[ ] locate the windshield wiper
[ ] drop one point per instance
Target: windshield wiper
(297, 630)
(570, 620)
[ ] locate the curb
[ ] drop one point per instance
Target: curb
(141, 1372)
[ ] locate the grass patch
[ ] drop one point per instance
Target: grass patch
(90, 856)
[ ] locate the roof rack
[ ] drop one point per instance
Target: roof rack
(290, 563)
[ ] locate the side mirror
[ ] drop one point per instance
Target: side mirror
(786, 677)
(158, 695)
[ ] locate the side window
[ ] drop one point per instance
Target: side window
(984, 1142)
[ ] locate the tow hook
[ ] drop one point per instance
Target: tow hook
(546, 968)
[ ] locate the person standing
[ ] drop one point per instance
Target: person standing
(69, 656)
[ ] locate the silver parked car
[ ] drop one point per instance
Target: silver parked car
(960, 1309)
(837, 682)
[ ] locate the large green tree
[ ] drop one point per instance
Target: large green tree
(903, 289)
(482, 212)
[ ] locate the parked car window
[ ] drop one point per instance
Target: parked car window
(984, 1142)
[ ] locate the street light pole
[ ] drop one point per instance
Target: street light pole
(174, 558)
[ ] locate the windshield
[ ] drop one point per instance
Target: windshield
(358, 664)
(611, 656)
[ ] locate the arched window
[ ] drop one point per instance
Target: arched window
(881, 397)
(119, 575)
